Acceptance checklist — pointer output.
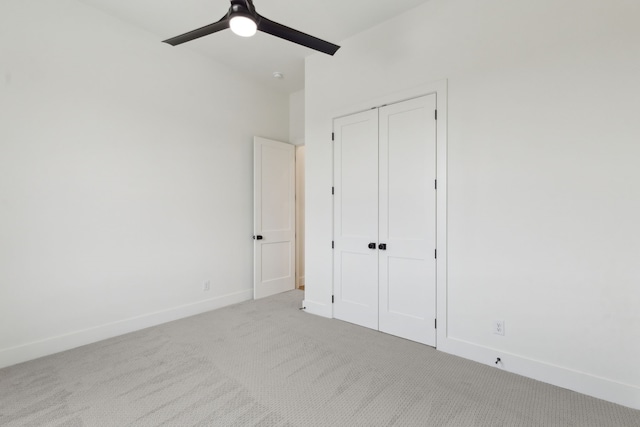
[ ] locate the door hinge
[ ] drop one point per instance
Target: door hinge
(333, 136)
(333, 299)
(436, 184)
(333, 190)
(435, 323)
(435, 253)
(436, 114)
(333, 244)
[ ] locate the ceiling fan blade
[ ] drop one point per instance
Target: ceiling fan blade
(222, 24)
(267, 26)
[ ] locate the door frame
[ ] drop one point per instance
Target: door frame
(300, 153)
(439, 88)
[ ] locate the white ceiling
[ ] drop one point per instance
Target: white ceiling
(260, 56)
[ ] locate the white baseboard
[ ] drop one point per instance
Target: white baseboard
(601, 388)
(317, 308)
(34, 350)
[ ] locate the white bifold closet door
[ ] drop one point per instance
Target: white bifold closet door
(385, 219)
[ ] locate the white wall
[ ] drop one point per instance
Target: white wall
(296, 118)
(543, 178)
(125, 178)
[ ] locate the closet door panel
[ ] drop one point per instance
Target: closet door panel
(405, 299)
(407, 226)
(356, 218)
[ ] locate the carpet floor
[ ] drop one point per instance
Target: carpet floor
(266, 363)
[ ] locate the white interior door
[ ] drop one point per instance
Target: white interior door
(408, 220)
(274, 217)
(356, 219)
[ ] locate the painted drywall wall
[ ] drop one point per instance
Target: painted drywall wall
(543, 184)
(125, 178)
(296, 118)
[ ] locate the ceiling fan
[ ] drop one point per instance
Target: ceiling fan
(243, 20)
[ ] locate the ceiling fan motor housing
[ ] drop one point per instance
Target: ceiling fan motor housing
(243, 8)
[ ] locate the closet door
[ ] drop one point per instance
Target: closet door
(356, 219)
(407, 215)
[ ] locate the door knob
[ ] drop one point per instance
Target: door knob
(382, 246)
(372, 245)
(257, 237)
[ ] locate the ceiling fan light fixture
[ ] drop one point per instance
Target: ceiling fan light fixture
(244, 21)
(243, 25)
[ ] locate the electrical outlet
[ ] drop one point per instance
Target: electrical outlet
(498, 327)
(206, 286)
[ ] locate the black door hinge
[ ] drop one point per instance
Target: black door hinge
(333, 244)
(333, 136)
(436, 114)
(333, 299)
(435, 253)
(436, 184)
(435, 323)
(333, 190)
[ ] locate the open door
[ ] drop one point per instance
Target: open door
(274, 217)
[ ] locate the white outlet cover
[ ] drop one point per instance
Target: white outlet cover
(498, 327)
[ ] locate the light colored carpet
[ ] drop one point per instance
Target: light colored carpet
(266, 363)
